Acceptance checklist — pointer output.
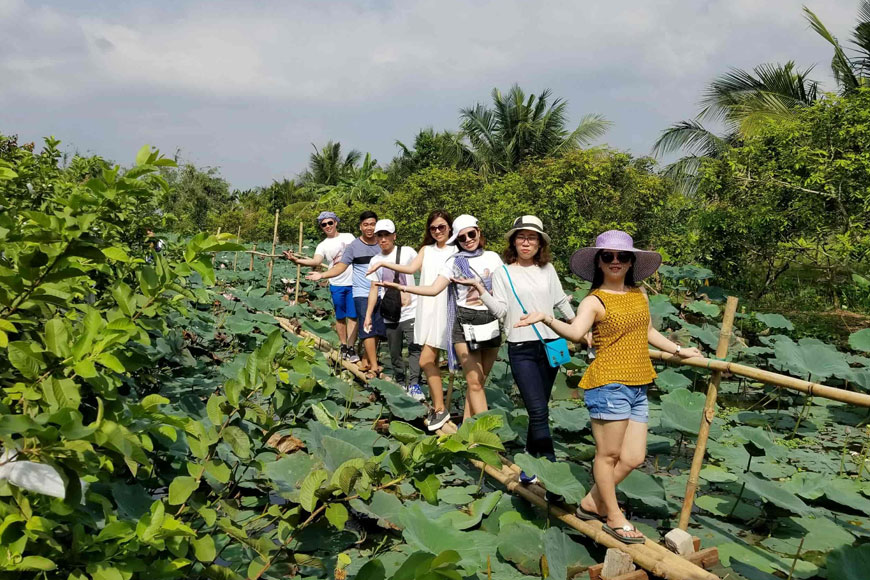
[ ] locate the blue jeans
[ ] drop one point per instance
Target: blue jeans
(617, 402)
(534, 377)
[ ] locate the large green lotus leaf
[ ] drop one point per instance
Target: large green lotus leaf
(774, 320)
(569, 417)
(819, 534)
(424, 533)
(457, 495)
(846, 492)
(682, 411)
(715, 474)
(670, 379)
(337, 452)
(522, 544)
(808, 460)
(401, 405)
(751, 572)
(753, 555)
(808, 358)
(686, 272)
(722, 505)
(474, 513)
(860, 377)
(774, 493)
(771, 469)
(288, 472)
(807, 485)
(647, 490)
(708, 333)
(563, 553)
(384, 507)
(849, 563)
(757, 437)
(860, 340)
(560, 477)
(660, 308)
(704, 308)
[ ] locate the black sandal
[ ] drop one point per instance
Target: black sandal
(624, 539)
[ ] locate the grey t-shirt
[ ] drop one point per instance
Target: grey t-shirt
(358, 254)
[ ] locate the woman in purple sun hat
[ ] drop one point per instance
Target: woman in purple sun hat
(616, 382)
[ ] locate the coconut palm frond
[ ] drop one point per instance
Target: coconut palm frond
(841, 65)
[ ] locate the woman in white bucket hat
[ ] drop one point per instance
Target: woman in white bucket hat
(528, 282)
(615, 384)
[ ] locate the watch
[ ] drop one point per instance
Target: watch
(679, 348)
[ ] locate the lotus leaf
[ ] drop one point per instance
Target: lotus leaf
(849, 563)
(715, 474)
(470, 517)
(808, 358)
(682, 411)
(819, 534)
(860, 340)
(383, 506)
(774, 492)
(522, 544)
(846, 492)
(723, 505)
(424, 533)
(774, 320)
(563, 553)
(660, 308)
(457, 495)
(704, 308)
(401, 405)
(561, 477)
(647, 490)
(288, 472)
(670, 379)
(567, 417)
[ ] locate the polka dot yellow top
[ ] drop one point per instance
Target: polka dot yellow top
(620, 342)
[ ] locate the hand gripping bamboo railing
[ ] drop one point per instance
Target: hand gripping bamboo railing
(650, 556)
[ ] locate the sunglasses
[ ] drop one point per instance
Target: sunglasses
(438, 228)
(466, 237)
(623, 257)
(326, 224)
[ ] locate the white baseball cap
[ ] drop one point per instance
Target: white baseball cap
(385, 226)
(462, 222)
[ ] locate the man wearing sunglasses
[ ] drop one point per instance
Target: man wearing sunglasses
(340, 286)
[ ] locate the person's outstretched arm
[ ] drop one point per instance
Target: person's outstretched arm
(590, 311)
(411, 267)
(436, 288)
(310, 262)
(331, 273)
(658, 340)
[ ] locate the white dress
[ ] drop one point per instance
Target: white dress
(430, 326)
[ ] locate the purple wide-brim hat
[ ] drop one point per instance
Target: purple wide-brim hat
(645, 265)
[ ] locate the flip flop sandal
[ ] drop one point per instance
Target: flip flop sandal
(587, 516)
(624, 539)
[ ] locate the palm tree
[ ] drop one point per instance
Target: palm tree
(850, 73)
(364, 184)
(742, 102)
(517, 128)
(327, 167)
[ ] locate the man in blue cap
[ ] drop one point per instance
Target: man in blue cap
(331, 250)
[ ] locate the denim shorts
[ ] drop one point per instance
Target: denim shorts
(617, 402)
(378, 326)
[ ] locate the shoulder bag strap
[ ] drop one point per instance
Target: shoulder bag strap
(398, 257)
(520, 302)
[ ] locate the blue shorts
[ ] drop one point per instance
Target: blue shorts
(342, 297)
(617, 402)
(378, 326)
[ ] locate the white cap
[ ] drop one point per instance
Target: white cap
(385, 226)
(460, 223)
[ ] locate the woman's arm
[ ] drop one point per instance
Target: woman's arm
(411, 267)
(591, 310)
(494, 302)
(434, 289)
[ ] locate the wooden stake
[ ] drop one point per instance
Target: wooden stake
(254, 251)
(709, 413)
(272, 260)
(236, 258)
(214, 254)
(298, 267)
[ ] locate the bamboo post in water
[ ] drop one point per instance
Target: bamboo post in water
(709, 412)
(298, 267)
(214, 254)
(236, 257)
(272, 260)
(253, 251)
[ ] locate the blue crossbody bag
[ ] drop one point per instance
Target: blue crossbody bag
(557, 350)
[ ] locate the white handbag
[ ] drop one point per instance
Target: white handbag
(475, 333)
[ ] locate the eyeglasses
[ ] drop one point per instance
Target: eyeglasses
(326, 224)
(438, 228)
(527, 239)
(623, 257)
(466, 237)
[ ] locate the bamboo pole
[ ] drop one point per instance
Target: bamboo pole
(272, 260)
(252, 252)
(298, 267)
(767, 377)
(236, 258)
(651, 556)
(214, 254)
(709, 413)
(263, 254)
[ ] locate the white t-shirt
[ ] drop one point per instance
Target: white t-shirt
(409, 312)
(482, 267)
(331, 249)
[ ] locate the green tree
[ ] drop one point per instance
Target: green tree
(850, 72)
(196, 198)
(518, 128)
(327, 166)
(429, 149)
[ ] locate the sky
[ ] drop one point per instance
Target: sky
(248, 87)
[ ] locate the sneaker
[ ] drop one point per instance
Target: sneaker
(415, 392)
(527, 479)
(437, 419)
(352, 356)
(343, 352)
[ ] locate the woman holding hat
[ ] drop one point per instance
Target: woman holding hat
(528, 282)
(430, 328)
(473, 332)
(615, 384)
